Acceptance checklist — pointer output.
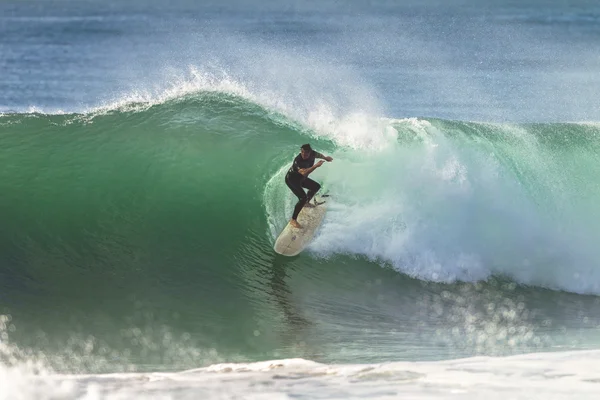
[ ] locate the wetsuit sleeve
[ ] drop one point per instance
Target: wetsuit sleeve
(319, 155)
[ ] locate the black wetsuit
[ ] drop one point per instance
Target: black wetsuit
(296, 181)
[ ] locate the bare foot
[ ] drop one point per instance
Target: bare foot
(295, 224)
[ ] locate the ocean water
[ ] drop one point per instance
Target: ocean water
(143, 148)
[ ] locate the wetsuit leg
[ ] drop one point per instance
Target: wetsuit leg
(312, 186)
(296, 186)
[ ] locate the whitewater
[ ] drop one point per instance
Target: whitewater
(550, 376)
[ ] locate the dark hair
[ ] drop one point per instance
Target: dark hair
(306, 147)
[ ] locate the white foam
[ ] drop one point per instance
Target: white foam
(549, 376)
(440, 207)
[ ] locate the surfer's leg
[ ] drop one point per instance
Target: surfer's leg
(312, 186)
(296, 187)
(299, 205)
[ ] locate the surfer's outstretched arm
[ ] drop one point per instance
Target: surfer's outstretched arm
(323, 157)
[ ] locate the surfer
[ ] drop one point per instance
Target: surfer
(297, 179)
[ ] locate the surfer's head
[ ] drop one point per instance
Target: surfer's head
(305, 150)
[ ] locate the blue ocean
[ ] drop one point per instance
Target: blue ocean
(143, 150)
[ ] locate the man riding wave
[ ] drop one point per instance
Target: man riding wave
(297, 179)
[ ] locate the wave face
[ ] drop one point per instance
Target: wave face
(152, 226)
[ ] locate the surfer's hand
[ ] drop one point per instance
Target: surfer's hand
(320, 163)
(328, 159)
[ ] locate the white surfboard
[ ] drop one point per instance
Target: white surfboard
(292, 240)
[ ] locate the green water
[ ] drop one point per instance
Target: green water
(141, 238)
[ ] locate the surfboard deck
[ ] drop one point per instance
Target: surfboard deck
(292, 241)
